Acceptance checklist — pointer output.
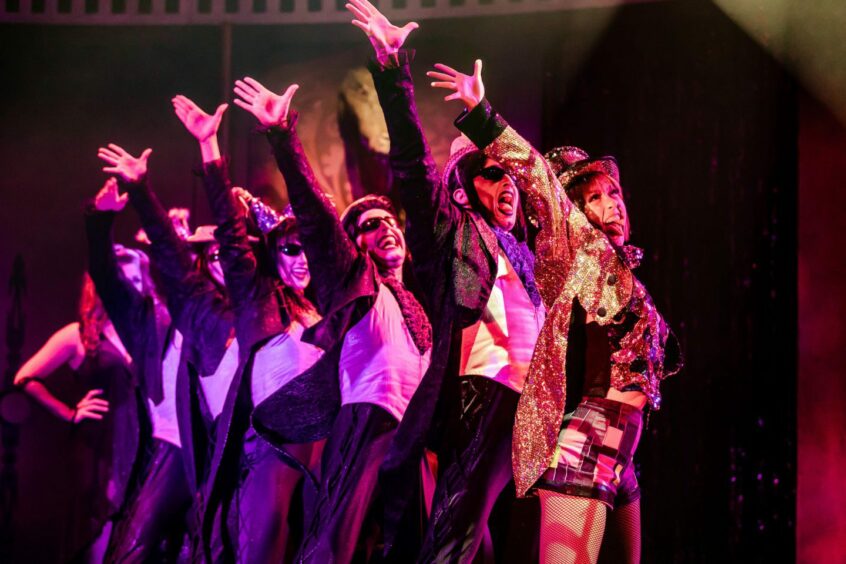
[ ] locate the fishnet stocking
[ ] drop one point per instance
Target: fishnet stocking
(571, 528)
(622, 539)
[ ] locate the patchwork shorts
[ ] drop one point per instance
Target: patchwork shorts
(594, 456)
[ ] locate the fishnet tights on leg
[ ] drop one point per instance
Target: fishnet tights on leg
(571, 528)
(622, 539)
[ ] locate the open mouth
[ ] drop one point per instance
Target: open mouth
(300, 272)
(616, 224)
(388, 242)
(505, 203)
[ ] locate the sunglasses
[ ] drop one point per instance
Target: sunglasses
(373, 223)
(291, 249)
(492, 173)
(213, 256)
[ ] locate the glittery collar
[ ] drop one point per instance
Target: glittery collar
(630, 255)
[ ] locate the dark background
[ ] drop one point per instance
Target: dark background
(707, 126)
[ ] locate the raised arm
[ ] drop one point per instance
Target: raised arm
(196, 305)
(416, 179)
(252, 294)
(331, 255)
(64, 347)
(239, 262)
(548, 204)
(127, 308)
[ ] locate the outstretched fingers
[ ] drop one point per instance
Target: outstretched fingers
(364, 6)
(447, 69)
(118, 149)
(109, 156)
(361, 18)
(255, 85)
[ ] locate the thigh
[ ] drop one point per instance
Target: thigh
(156, 512)
(572, 528)
(622, 535)
(263, 499)
(359, 442)
(478, 456)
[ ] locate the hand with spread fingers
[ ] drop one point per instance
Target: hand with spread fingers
(130, 169)
(269, 108)
(198, 123)
(385, 37)
(468, 89)
(109, 199)
(92, 406)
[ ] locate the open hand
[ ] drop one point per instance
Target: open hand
(131, 169)
(269, 108)
(108, 198)
(198, 123)
(90, 407)
(468, 89)
(385, 37)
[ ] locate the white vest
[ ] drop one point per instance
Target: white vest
(380, 364)
(500, 345)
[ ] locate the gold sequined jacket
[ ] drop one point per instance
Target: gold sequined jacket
(574, 261)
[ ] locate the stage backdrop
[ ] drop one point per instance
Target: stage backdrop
(702, 120)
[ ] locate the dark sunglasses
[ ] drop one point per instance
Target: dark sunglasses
(492, 173)
(291, 249)
(213, 256)
(373, 223)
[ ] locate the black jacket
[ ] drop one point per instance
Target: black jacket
(455, 254)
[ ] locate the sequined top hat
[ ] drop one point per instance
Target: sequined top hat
(569, 163)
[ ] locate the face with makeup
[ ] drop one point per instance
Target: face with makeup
(496, 193)
(378, 233)
(291, 262)
(605, 208)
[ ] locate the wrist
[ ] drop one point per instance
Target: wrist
(70, 415)
(210, 149)
(386, 56)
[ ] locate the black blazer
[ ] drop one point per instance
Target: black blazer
(454, 253)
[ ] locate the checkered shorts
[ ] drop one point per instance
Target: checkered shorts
(596, 446)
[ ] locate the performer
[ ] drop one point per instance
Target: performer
(468, 238)
(173, 347)
(375, 332)
(272, 312)
(603, 331)
(106, 425)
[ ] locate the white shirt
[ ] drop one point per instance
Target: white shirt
(163, 415)
(380, 364)
(500, 345)
(280, 360)
(216, 386)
